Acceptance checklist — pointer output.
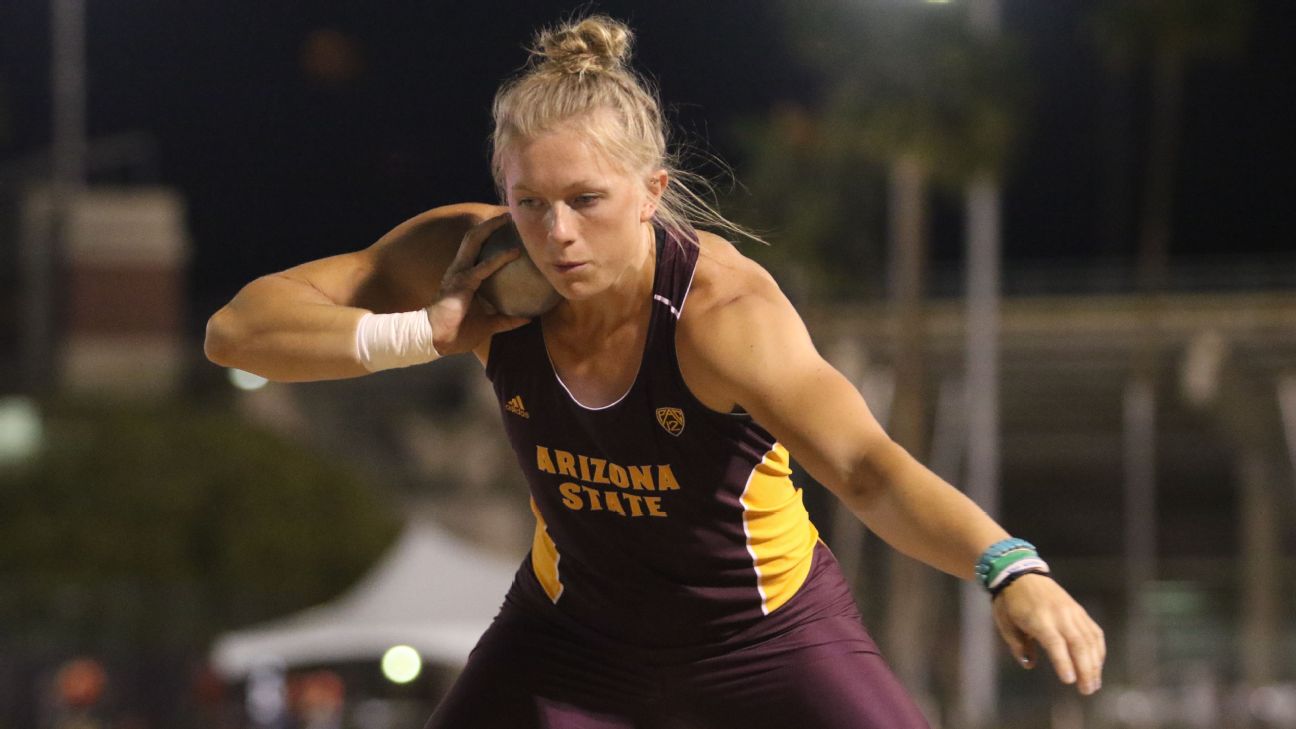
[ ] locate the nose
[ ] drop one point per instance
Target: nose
(558, 220)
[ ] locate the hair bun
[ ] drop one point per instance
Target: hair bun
(595, 43)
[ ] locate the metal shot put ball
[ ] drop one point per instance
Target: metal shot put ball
(518, 289)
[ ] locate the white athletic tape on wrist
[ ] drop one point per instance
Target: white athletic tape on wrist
(388, 341)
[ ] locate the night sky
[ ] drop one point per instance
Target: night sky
(279, 166)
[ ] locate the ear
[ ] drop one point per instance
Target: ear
(655, 185)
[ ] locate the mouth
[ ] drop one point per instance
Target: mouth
(568, 267)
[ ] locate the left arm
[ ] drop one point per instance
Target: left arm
(754, 351)
(750, 348)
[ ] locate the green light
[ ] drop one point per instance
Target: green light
(21, 429)
(401, 664)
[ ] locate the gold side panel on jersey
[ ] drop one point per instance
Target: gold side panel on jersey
(544, 557)
(780, 537)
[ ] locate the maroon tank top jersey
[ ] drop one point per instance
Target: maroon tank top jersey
(659, 521)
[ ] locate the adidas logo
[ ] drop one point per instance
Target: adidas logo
(516, 407)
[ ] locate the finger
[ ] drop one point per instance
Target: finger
(1059, 654)
(1102, 644)
(1019, 644)
(473, 240)
(465, 282)
(1029, 657)
(1088, 650)
(1096, 650)
(486, 268)
(1084, 656)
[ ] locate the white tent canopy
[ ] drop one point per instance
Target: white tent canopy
(431, 591)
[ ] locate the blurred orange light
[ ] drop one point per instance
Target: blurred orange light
(81, 682)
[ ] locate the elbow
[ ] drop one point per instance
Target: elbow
(858, 492)
(869, 475)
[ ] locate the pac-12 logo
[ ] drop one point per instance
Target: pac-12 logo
(671, 420)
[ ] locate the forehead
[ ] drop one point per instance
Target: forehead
(557, 158)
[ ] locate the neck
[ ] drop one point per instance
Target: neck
(625, 300)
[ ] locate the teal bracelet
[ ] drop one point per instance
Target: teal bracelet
(999, 556)
(998, 549)
(1003, 562)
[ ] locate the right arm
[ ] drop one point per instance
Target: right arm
(300, 324)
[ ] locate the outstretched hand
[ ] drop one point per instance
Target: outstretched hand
(460, 320)
(1035, 610)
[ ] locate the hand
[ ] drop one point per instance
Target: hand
(1035, 609)
(460, 320)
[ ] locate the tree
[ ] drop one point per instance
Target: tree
(913, 90)
(1166, 35)
(166, 506)
(805, 196)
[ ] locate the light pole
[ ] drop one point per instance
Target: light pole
(978, 667)
(67, 179)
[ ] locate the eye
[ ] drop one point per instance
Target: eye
(586, 200)
(528, 203)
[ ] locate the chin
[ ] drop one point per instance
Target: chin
(579, 290)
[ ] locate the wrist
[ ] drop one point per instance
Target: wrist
(1011, 579)
(1005, 561)
(389, 341)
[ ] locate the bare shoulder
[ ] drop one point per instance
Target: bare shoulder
(726, 280)
(736, 321)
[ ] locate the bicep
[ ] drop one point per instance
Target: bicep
(405, 266)
(401, 271)
(822, 419)
(772, 369)
(819, 415)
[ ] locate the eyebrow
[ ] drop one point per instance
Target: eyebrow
(579, 184)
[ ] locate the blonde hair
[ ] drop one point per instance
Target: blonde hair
(579, 74)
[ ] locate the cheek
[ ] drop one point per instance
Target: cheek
(533, 234)
(529, 223)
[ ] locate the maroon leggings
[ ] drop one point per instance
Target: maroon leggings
(530, 672)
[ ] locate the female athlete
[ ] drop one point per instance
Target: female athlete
(675, 579)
